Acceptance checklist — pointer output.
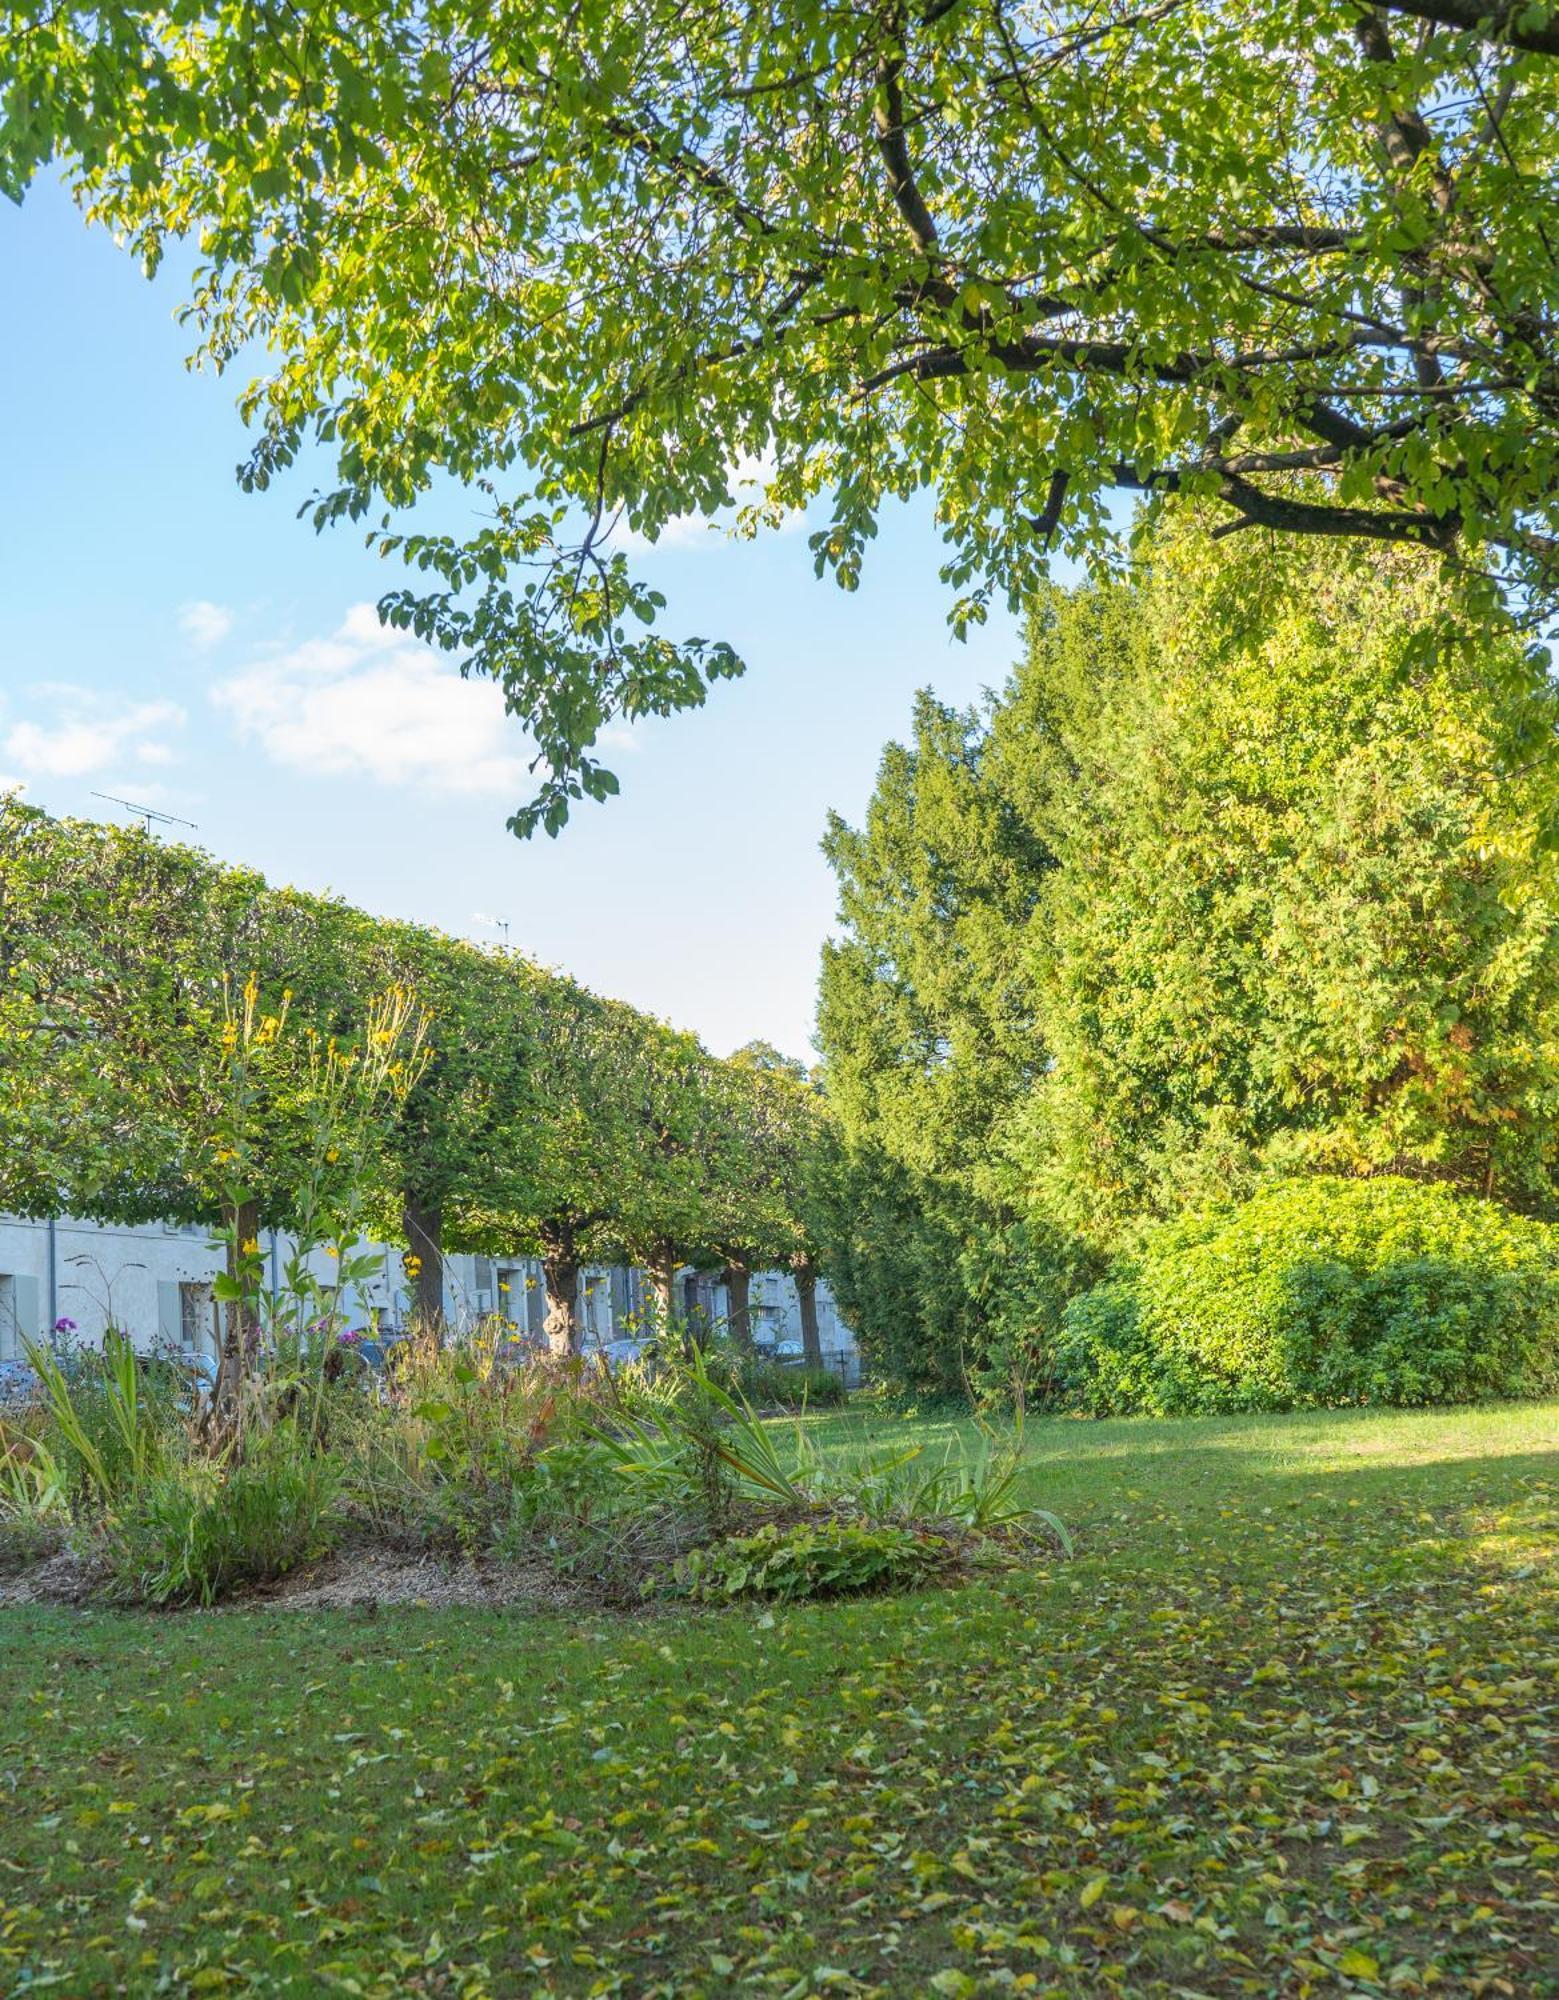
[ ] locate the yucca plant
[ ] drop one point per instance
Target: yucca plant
(982, 1492)
(691, 1441)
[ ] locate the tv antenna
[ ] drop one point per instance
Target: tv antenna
(147, 813)
(499, 924)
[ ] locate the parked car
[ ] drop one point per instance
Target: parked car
(621, 1353)
(18, 1384)
(201, 1370)
(375, 1349)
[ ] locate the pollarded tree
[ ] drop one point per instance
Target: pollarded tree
(1017, 256)
(686, 1163)
(778, 1114)
(599, 1158)
(151, 1069)
(453, 1138)
(172, 1033)
(133, 955)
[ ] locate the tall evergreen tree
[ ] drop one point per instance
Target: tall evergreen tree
(926, 1019)
(1304, 915)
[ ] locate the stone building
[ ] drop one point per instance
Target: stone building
(154, 1281)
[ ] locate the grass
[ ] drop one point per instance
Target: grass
(1288, 1725)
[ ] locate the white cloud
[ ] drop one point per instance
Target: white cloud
(89, 730)
(205, 624)
(748, 484)
(369, 702)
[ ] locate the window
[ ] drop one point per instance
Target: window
(186, 1319)
(18, 1314)
(197, 1327)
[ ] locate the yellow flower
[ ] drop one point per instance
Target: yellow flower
(252, 1247)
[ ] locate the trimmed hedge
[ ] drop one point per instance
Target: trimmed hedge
(1319, 1292)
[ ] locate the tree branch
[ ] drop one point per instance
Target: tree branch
(1259, 509)
(888, 117)
(1494, 20)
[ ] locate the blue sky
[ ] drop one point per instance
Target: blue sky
(166, 637)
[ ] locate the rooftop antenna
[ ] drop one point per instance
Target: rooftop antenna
(499, 924)
(147, 813)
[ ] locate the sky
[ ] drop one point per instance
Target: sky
(170, 639)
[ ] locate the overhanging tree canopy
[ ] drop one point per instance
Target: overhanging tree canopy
(597, 254)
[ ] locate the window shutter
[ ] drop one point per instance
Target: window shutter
(170, 1321)
(24, 1303)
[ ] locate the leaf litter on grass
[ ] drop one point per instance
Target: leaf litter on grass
(1317, 1753)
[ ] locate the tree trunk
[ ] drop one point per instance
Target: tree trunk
(738, 1308)
(423, 1223)
(241, 1320)
(560, 1273)
(663, 1290)
(805, 1273)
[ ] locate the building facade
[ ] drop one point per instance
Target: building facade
(154, 1283)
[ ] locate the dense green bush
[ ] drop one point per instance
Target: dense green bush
(771, 1384)
(195, 1532)
(1324, 1291)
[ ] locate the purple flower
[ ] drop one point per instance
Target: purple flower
(348, 1339)
(64, 1326)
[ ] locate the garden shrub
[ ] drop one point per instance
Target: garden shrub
(27, 1539)
(1324, 1291)
(770, 1384)
(575, 1511)
(821, 1558)
(1021, 1278)
(196, 1531)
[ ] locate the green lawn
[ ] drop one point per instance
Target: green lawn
(1288, 1724)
